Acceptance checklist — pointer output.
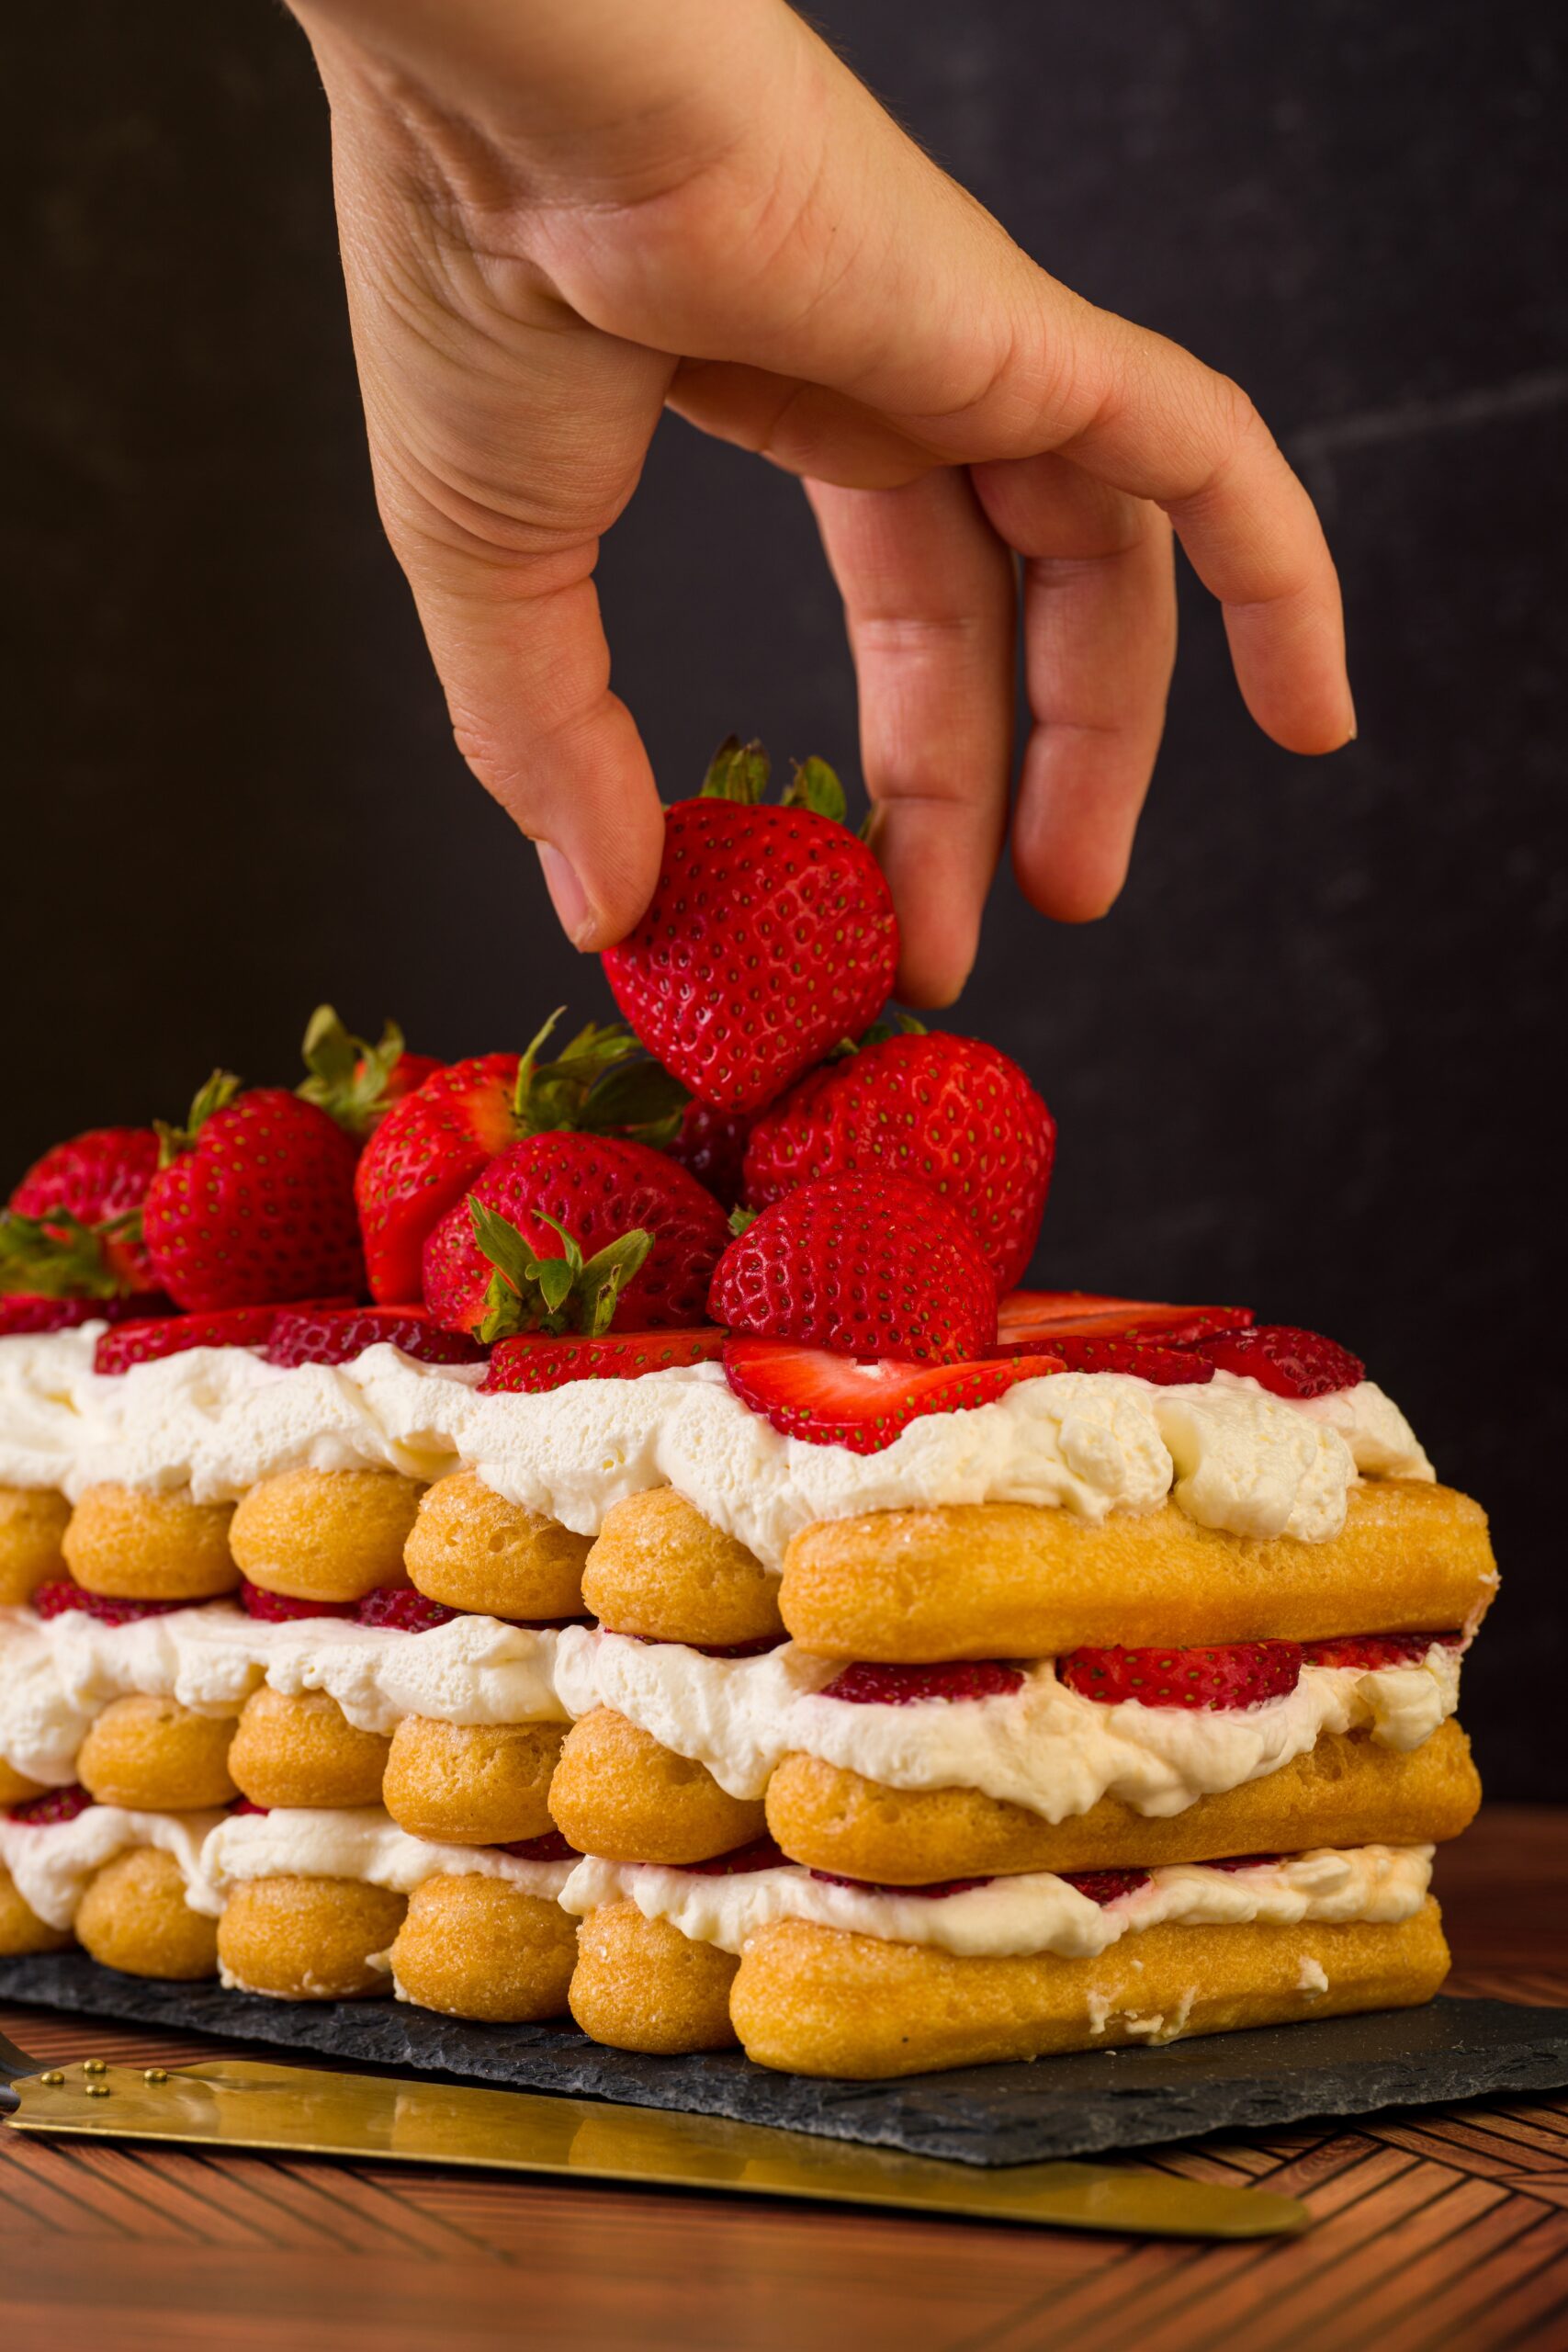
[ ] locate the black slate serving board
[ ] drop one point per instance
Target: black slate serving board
(980, 2115)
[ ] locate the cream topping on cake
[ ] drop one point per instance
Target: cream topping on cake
(1035, 1913)
(216, 1420)
(1041, 1745)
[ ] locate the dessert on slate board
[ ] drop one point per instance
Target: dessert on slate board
(602, 1532)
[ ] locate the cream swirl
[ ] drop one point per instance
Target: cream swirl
(216, 1420)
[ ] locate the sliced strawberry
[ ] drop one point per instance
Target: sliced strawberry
(1166, 1367)
(145, 1341)
(1105, 1886)
(1229, 1675)
(534, 1362)
(761, 1854)
(400, 1606)
(830, 1399)
(935, 1892)
(758, 1648)
(248, 1804)
(1286, 1361)
(60, 1596)
(1366, 1652)
(336, 1334)
(1028, 1317)
(280, 1608)
(55, 1805)
(549, 1845)
(22, 1310)
(864, 1685)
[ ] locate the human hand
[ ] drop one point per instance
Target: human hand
(559, 217)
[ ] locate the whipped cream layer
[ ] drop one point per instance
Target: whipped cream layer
(54, 1862)
(216, 1420)
(357, 1842)
(1041, 1745)
(1008, 1917)
(58, 1674)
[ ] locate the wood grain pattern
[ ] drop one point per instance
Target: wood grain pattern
(1440, 2230)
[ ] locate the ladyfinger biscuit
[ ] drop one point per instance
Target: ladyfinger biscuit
(136, 1546)
(814, 2000)
(1350, 1789)
(21, 1929)
(471, 1784)
(475, 1947)
(326, 1534)
(134, 1917)
(472, 1549)
(300, 1749)
(151, 1755)
(309, 1939)
(641, 1985)
(33, 1520)
(658, 1568)
(1011, 1581)
(618, 1793)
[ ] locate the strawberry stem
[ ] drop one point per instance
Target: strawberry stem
(57, 1256)
(529, 1292)
(601, 1084)
(737, 771)
(815, 785)
(216, 1095)
(348, 1079)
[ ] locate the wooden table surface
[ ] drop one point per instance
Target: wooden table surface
(1435, 2227)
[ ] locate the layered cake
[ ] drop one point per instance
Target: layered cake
(606, 1536)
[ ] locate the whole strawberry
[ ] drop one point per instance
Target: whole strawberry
(430, 1146)
(771, 934)
(570, 1232)
(72, 1228)
(254, 1202)
(951, 1112)
(711, 1146)
(870, 1266)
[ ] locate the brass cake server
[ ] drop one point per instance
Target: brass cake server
(245, 2103)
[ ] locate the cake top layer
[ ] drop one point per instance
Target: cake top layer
(216, 1420)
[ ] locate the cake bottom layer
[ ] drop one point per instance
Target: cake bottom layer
(807, 1999)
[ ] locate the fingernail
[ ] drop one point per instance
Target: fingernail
(568, 895)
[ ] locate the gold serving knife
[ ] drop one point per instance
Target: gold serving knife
(244, 2103)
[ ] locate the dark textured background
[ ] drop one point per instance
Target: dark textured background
(1310, 1060)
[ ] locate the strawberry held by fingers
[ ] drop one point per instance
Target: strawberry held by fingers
(951, 1112)
(72, 1225)
(869, 1266)
(254, 1202)
(771, 934)
(431, 1146)
(568, 1232)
